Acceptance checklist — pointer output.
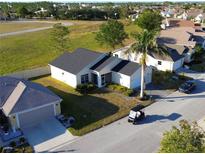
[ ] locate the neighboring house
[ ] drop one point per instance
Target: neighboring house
(133, 17)
(165, 62)
(183, 16)
(83, 66)
(197, 15)
(42, 10)
(180, 38)
(25, 103)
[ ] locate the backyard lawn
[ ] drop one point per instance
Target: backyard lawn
(36, 49)
(90, 111)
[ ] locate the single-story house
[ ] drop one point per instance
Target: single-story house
(25, 103)
(170, 61)
(83, 66)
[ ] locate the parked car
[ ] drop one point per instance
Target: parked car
(187, 87)
(136, 114)
(8, 150)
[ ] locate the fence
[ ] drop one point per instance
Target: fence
(26, 74)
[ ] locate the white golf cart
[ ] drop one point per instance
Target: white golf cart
(136, 114)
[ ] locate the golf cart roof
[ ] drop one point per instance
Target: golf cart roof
(138, 107)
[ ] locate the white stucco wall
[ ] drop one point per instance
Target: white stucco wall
(64, 76)
(121, 79)
(135, 81)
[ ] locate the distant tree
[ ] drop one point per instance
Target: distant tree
(198, 52)
(150, 20)
(23, 12)
(124, 11)
(60, 35)
(111, 33)
(185, 139)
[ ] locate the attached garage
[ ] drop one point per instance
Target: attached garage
(35, 116)
(128, 74)
(26, 103)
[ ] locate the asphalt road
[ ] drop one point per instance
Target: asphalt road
(33, 29)
(121, 136)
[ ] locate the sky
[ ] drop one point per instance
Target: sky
(101, 0)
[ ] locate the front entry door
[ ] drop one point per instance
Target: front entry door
(95, 79)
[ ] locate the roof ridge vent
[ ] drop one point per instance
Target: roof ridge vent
(13, 98)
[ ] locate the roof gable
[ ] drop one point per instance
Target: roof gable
(126, 67)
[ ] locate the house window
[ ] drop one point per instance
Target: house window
(84, 79)
(159, 63)
(103, 79)
(116, 55)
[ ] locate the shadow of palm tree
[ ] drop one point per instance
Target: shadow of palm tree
(161, 118)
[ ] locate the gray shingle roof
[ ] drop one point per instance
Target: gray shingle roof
(76, 61)
(174, 53)
(126, 67)
(34, 95)
(103, 63)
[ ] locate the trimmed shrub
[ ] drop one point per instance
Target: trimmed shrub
(22, 140)
(121, 89)
(13, 144)
(86, 88)
(129, 92)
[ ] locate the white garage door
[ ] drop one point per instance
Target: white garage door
(36, 116)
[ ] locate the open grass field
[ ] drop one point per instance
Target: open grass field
(90, 111)
(6, 27)
(36, 49)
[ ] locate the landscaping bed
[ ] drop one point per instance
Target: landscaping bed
(91, 111)
(121, 89)
(19, 146)
(168, 80)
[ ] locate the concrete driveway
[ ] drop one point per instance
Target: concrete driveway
(47, 135)
(121, 136)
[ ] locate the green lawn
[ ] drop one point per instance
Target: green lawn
(37, 49)
(91, 111)
(6, 27)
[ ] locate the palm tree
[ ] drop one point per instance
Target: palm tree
(145, 41)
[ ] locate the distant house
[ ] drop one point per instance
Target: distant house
(197, 15)
(25, 103)
(83, 66)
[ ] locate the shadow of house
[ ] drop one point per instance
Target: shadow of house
(153, 118)
(86, 109)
